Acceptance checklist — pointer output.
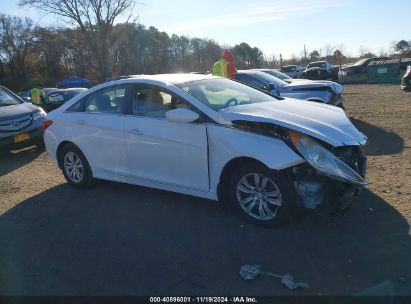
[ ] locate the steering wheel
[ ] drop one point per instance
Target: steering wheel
(230, 101)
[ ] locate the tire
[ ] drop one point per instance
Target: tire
(80, 176)
(281, 203)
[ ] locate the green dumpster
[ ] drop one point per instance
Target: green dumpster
(387, 71)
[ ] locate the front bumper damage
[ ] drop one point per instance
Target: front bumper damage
(314, 189)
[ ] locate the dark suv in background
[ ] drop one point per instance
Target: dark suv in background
(319, 70)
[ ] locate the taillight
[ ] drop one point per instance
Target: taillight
(46, 123)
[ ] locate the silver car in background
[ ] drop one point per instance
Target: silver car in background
(294, 71)
(20, 122)
(327, 92)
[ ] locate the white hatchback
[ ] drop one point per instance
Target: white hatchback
(209, 137)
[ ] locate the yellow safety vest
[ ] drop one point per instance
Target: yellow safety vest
(220, 68)
(35, 96)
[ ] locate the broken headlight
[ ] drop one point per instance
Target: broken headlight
(323, 160)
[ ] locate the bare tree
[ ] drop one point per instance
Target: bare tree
(95, 18)
(328, 50)
(363, 50)
(16, 40)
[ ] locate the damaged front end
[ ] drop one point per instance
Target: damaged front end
(314, 188)
(331, 174)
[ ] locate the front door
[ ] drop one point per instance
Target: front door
(161, 151)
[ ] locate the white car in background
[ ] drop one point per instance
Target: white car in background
(209, 137)
(294, 71)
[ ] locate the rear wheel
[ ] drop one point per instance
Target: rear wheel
(75, 167)
(263, 196)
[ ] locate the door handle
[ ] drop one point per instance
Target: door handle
(80, 122)
(135, 131)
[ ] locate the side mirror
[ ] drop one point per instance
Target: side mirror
(181, 115)
(270, 86)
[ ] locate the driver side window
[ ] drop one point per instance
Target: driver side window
(151, 101)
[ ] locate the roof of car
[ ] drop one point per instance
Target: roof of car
(171, 78)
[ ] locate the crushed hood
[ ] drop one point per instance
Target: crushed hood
(9, 112)
(324, 122)
(307, 84)
(311, 84)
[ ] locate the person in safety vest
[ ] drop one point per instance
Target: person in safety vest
(37, 94)
(225, 66)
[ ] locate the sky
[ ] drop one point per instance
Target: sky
(276, 27)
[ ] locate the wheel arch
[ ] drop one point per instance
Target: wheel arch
(228, 169)
(60, 148)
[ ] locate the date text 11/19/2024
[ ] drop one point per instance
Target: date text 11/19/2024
(203, 300)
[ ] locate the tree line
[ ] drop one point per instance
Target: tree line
(30, 54)
(96, 47)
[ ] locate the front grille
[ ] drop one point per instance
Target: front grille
(15, 124)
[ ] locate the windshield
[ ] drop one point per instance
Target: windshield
(222, 93)
(7, 99)
(72, 93)
(317, 65)
(288, 69)
(66, 95)
(277, 74)
(49, 90)
(267, 78)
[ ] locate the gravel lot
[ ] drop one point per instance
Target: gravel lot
(126, 240)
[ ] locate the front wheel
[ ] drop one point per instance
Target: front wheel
(75, 167)
(263, 196)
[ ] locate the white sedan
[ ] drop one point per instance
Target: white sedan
(209, 137)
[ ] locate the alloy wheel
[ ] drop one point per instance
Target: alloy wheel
(259, 196)
(73, 167)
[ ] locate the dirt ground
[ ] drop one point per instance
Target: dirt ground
(120, 239)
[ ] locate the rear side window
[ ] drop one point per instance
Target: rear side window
(110, 100)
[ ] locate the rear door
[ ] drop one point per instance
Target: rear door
(96, 125)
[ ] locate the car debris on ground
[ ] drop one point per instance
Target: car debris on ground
(250, 272)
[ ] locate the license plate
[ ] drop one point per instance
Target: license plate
(21, 137)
